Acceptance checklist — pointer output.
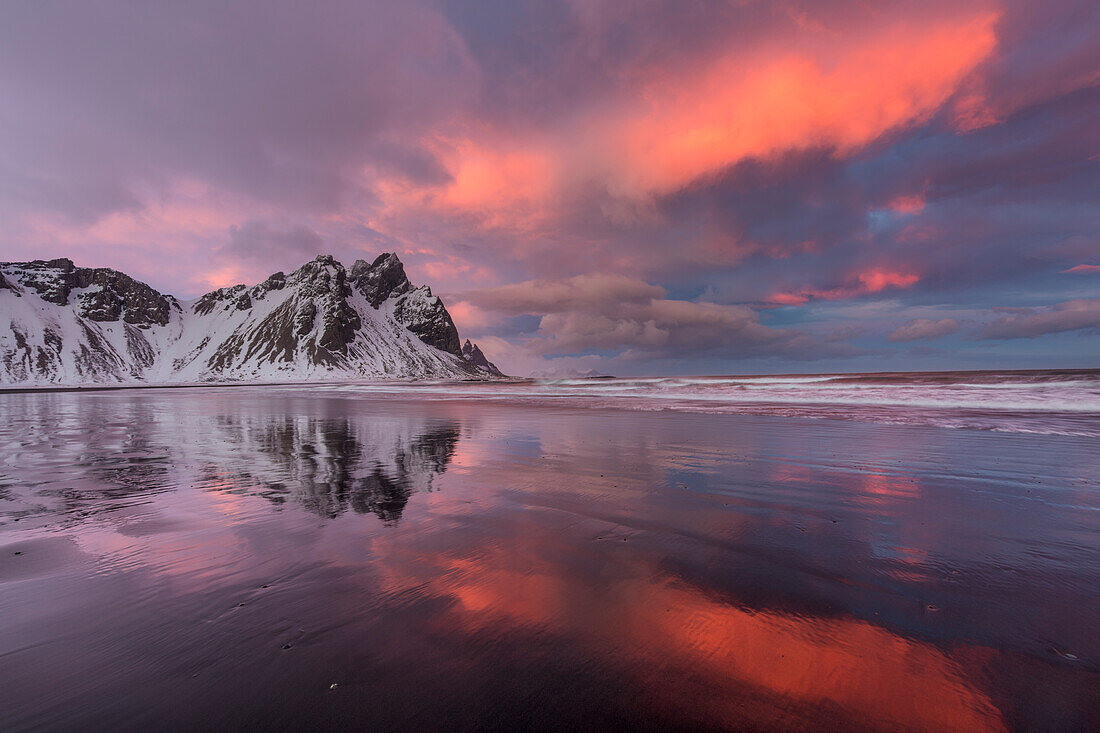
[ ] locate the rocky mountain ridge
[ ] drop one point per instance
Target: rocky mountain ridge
(473, 354)
(63, 324)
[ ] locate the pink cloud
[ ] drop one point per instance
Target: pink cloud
(869, 281)
(469, 318)
(907, 204)
(1083, 269)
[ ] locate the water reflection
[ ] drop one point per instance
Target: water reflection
(325, 464)
(205, 555)
(738, 667)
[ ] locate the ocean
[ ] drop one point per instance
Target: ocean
(1063, 402)
(825, 552)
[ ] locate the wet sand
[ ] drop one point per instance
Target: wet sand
(257, 558)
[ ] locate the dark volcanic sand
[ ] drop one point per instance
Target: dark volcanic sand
(249, 558)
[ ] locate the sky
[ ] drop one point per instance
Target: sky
(648, 187)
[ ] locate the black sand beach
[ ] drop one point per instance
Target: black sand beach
(287, 559)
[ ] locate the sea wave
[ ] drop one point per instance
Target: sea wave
(1058, 402)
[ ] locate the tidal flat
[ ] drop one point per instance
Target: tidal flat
(289, 558)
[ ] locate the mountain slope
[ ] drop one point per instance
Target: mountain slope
(62, 324)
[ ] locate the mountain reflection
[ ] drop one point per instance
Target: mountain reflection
(327, 467)
(331, 465)
(79, 463)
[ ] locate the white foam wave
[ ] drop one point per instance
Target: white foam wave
(1067, 405)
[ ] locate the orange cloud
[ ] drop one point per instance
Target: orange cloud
(841, 97)
(666, 130)
(869, 281)
(907, 205)
(877, 279)
(503, 181)
(788, 298)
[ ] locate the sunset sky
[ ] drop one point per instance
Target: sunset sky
(662, 186)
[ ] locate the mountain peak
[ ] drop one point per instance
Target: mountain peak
(474, 355)
(383, 278)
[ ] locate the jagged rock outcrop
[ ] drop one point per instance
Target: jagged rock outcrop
(424, 314)
(380, 279)
(107, 295)
(474, 355)
(73, 325)
(416, 308)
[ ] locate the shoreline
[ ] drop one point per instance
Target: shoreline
(193, 385)
(21, 389)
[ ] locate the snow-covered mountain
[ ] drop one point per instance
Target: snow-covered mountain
(61, 324)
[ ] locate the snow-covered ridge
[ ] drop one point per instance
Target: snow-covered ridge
(67, 325)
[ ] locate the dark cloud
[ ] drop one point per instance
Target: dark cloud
(616, 315)
(581, 293)
(1073, 315)
(923, 328)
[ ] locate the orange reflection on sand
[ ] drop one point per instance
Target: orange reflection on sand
(731, 665)
(870, 673)
(878, 487)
